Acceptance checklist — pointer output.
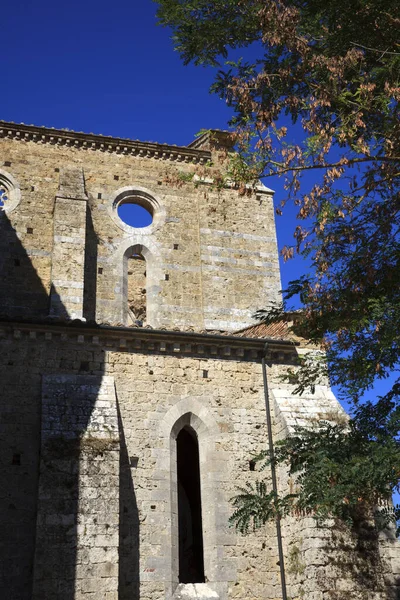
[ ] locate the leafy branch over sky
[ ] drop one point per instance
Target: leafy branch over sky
(330, 72)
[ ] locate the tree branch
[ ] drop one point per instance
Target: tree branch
(348, 163)
(374, 49)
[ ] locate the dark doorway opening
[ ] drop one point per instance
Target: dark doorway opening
(191, 561)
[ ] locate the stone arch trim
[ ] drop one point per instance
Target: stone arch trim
(146, 198)
(151, 253)
(149, 248)
(218, 570)
(188, 411)
(13, 191)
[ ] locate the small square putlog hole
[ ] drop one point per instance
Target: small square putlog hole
(133, 461)
(16, 460)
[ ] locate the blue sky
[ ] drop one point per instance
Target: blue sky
(102, 67)
(108, 68)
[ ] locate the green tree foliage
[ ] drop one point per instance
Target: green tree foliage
(340, 470)
(332, 69)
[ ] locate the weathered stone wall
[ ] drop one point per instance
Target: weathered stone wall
(222, 407)
(75, 515)
(68, 255)
(211, 255)
(90, 414)
(328, 561)
(78, 501)
(117, 520)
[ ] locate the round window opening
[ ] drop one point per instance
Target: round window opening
(133, 213)
(3, 196)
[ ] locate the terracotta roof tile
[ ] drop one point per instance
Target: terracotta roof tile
(278, 331)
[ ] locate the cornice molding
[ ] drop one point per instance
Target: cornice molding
(102, 143)
(143, 340)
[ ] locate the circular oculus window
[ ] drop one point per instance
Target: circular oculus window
(137, 209)
(133, 213)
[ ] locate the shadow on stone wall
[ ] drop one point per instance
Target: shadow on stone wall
(356, 565)
(23, 297)
(128, 526)
(336, 561)
(90, 271)
(22, 293)
(59, 539)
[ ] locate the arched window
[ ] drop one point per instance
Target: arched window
(191, 553)
(194, 550)
(10, 195)
(137, 267)
(136, 288)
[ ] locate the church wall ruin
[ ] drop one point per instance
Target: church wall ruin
(211, 244)
(91, 408)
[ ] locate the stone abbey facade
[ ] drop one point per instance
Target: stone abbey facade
(132, 392)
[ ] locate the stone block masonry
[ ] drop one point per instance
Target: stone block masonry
(224, 268)
(68, 256)
(78, 499)
(96, 497)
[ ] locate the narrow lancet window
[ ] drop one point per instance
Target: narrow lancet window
(191, 560)
(137, 289)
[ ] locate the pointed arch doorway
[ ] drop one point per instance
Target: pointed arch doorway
(190, 527)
